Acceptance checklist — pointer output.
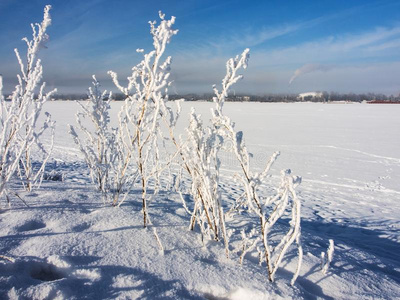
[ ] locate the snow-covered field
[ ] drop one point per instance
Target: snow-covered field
(68, 245)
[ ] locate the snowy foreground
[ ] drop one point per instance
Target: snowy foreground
(69, 245)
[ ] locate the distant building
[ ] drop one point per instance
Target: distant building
(309, 96)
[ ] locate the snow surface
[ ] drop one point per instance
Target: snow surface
(68, 245)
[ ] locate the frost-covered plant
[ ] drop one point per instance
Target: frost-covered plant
(269, 210)
(19, 131)
(98, 141)
(326, 258)
(140, 131)
(201, 160)
(200, 157)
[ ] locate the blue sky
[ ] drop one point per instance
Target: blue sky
(342, 46)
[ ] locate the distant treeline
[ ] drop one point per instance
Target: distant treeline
(326, 97)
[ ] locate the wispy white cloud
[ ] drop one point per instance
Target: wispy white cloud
(235, 38)
(258, 37)
(389, 45)
(352, 41)
(346, 48)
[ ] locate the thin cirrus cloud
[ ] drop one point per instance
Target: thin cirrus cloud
(332, 49)
(370, 38)
(239, 38)
(390, 45)
(335, 49)
(252, 37)
(261, 36)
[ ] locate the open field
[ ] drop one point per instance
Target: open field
(68, 245)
